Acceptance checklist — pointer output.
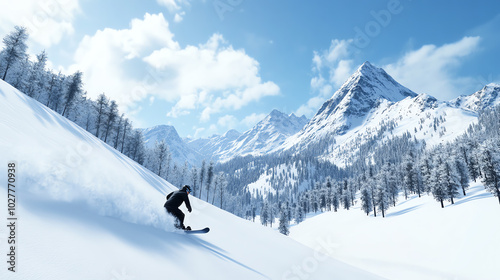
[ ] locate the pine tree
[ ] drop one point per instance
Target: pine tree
(101, 106)
(381, 193)
(283, 222)
(451, 180)
(264, 214)
(335, 197)
(410, 175)
(490, 165)
(426, 171)
(210, 175)
(14, 50)
(463, 173)
(346, 196)
(37, 76)
(438, 187)
(118, 130)
(73, 92)
(299, 214)
(366, 199)
(392, 184)
(126, 129)
(111, 116)
(160, 153)
(202, 176)
(328, 194)
(194, 179)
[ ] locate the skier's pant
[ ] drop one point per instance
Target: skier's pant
(176, 212)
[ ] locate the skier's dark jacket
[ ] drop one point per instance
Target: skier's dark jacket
(175, 199)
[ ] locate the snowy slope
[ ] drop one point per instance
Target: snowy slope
(417, 239)
(87, 212)
(180, 151)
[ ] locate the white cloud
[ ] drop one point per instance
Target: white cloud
(179, 17)
(47, 21)
(227, 121)
(103, 59)
(172, 5)
(145, 61)
(214, 75)
(251, 120)
(175, 7)
(331, 69)
(431, 69)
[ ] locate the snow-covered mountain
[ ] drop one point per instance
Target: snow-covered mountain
(214, 145)
(489, 96)
(180, 151)
(371, 107)
(263, 138)
(88, 212)
(349, 106)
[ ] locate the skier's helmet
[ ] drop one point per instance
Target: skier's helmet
(186, 188)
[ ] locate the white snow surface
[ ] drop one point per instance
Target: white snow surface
(417, 239)
(87, 212)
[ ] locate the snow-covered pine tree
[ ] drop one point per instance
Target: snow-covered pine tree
(451, 180)
(490, 166)
(202, 176)
(346, 195)
(160, 156)
(264, 214)
(54, 90)
(14, 49)
(37, 77)
(381, 193)
(328, 194)
(438, 187)
(111, 116)
(410, 175)
(392, 183)
(426, 171)
(126, 131)
(118, 130)
(335, 196)
(101, 106)
(210, 176)
(222, 188)
(72, 93)
(283, 222)
(194, 179)
(463, 173)
(299, 214)
(366, 199)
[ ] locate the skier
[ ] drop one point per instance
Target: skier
(174, 200)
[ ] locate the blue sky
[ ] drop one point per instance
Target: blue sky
(207, 66)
